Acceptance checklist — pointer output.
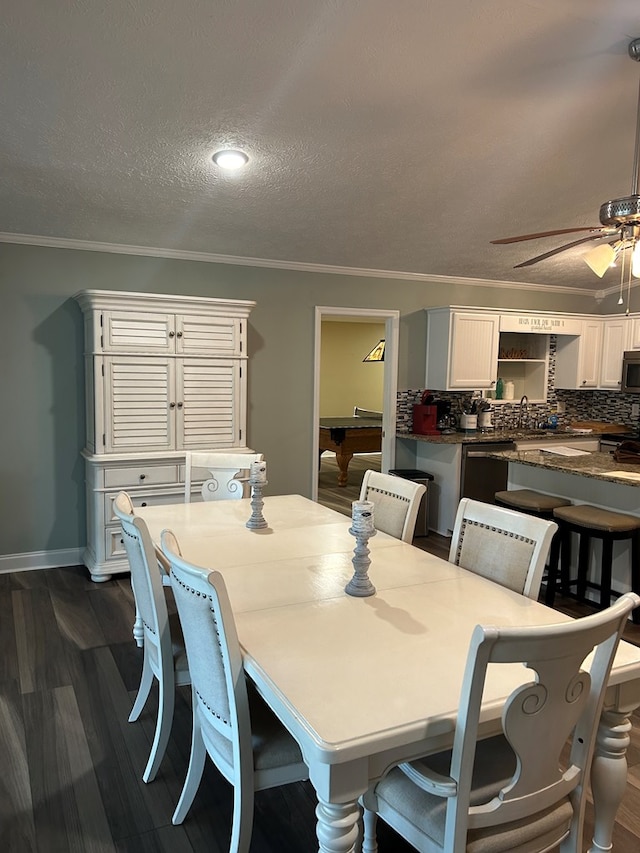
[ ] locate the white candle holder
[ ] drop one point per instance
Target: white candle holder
(257, 521)
(360, 584)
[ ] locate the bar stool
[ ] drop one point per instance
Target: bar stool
(592, 522)
(542, 506)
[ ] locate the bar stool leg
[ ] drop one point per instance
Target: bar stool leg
(552, 570)
(565, 559)
(583, 565)
(605, 572)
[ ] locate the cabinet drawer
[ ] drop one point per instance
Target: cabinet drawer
(140, 475)
(114, 546)
(139, 499)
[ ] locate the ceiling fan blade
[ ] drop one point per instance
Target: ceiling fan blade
(566, 246)
(544, 234)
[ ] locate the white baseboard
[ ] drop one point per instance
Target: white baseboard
(41, 560)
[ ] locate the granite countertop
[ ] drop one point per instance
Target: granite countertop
(477, 437)
(600, 466)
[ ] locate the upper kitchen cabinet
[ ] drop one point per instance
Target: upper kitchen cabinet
(462, 349)
(633, 334)
(469, 349)
(578, 357)
(592, 359)
(615, 340)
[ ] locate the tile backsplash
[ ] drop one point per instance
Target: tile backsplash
(610, 406)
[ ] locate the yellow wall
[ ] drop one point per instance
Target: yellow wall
(345, 381)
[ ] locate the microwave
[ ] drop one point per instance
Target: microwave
(631, 372)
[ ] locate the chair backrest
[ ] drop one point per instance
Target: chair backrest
(396, 503)
(561, 702)
(506, 546)
(215, 661)
(227, 473)
(146, 579)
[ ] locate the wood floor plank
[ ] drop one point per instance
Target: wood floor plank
(9, 657)
(94, 835)
(119, 750)
(68, 809)
(77, 619)
(43, 659)
(114, 609)
(17, 829)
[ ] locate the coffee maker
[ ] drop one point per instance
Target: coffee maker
(425, 419)
(445, 421)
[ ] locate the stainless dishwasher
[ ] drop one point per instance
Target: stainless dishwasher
(480, 476)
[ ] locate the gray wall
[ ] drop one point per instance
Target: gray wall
(42, 422)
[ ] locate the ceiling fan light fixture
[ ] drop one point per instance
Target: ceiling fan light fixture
(230, 159)
(600, 258)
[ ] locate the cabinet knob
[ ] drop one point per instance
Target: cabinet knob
(172, 405)
(180, 405)
(143, 476)
(179, 334)
(172, 334)
(144, 503)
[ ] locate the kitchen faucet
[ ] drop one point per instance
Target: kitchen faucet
(524, 409)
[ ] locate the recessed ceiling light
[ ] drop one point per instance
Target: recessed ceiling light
(230, 159)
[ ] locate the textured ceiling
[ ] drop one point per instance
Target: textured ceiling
(390, 136)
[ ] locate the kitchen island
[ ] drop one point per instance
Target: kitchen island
(594, 478)
(443, 456)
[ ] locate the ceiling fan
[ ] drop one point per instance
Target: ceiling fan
(619, 220)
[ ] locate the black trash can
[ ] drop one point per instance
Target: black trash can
(422, 522)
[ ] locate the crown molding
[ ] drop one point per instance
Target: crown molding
(211, 258)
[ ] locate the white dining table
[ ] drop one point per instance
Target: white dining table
(364, 683)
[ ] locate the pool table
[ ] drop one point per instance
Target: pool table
(346, 436)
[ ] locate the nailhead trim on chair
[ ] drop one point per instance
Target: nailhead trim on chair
(197, 592)
(386, 492)
(509, 533)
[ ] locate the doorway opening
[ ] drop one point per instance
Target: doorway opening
(375, 320)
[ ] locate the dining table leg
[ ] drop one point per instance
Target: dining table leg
(609, 776)
(338, 826)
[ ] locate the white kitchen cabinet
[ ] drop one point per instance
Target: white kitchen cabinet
(615, 337)
(163, 375)
(462, 350)
(578, 357)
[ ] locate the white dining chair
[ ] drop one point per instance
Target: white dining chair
(231, 723)
(520, 791)
(164, 653)
(396, 503)
(226, 473)
(501, 544)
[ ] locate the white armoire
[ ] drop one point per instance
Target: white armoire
(163, 375)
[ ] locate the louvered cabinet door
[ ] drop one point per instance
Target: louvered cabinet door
(130, 331)
(213, 403)
(203, 335)
(140, 404)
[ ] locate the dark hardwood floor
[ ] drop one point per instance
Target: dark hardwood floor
(71, 764)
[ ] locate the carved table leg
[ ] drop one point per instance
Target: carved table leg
(609, 776)
(343, 460)
(337, 828)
